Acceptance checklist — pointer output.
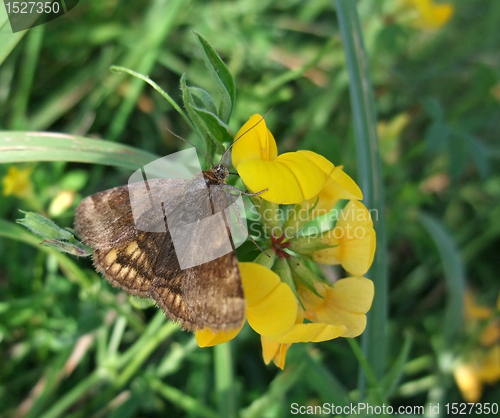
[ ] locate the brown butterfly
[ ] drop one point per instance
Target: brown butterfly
(145, 264)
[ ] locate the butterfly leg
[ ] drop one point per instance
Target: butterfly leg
(240, 222)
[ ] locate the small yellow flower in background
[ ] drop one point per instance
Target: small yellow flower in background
(426, 14)
(389, 133)
(17, 182)
(286, 302)
(61, 202)
(481, 365)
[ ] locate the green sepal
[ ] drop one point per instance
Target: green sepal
(264, 260)
(282, 269)
(307, 245)
(222, 77)
(303, 275)
(53, 235)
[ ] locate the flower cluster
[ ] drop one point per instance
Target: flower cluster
(286, 301)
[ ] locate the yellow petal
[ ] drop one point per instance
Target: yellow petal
(17, 182)
(254, 142)
(489, 368)
(355, 255)
(468, 382)
(344, 303)
(269, 349)
(325, 165)
(490, 334)
(310, 332)
(275, 314)
(271, 304)
(281, 184)
(473, 310)
(328, 256)
(208, 338)
(354, 214)
(354, 238)
(274, 351)
(347, 187)
(280, 357)
(310, 177)
(258, 282)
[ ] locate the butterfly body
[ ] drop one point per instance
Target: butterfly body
(146, 264)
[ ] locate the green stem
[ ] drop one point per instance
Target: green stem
(370, 176)
(169, 99)
(186, 402)
(28, 69)
(224, 380)
(73, 395)
(370, 376)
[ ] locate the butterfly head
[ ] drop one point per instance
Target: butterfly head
(221, 172)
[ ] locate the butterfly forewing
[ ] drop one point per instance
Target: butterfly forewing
(142, 263)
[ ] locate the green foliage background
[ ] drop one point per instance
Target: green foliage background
(72, 346)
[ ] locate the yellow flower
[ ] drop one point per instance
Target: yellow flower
(289, 178)
(344, 303)
(291, 304)
(18, 183)
(426, 14)
(353, 240)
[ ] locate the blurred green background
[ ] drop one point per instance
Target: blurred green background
(72, 346)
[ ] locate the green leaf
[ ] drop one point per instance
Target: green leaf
(454, 274)
(437, 135)
(479, 155)
(199, 120)
(433, 108)
(202, 99)
(458, 154)
(222, 77)
(324, 382)
(391, 379)
(218, 131)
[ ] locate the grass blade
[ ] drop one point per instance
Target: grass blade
(17, 147)
(8, 40)
(370, 177)
(391, 379)
(454, 274)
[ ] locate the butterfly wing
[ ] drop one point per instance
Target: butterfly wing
(145, 263)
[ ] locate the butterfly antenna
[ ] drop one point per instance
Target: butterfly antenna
(248, 130)
(185, 140)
